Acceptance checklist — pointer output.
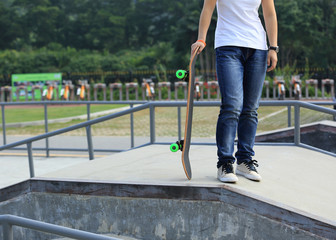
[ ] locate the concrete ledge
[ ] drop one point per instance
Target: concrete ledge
(143, 193)
(193, 205)
(319, 134)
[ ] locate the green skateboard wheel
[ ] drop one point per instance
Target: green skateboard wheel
(180, 74)
(174, 147)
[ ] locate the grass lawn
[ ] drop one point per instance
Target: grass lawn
(27, 114)
(204, 121)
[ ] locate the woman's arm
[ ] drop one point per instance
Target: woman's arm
(271, 24)
(204, 23)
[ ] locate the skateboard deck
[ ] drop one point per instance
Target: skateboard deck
(149, 92)
(82, 92)
(50, 92)
(184, 145)
(66, 92)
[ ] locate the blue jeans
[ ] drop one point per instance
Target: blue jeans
(241, 74)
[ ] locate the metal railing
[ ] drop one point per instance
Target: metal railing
(8, 221)
(46, 121)
(152, 105)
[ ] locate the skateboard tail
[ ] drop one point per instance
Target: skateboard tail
(187, 168)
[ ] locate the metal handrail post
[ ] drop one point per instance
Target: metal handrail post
(30, 159)
(7, 231)
(289, 115)
(88, 132)
(89, 140)
(179, 123)
(152, 123)
(132, 127)
(46, 127)
(3, 124)
(88, 111)
(297, 124)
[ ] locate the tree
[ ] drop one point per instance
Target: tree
(9, 29)
(307, 30)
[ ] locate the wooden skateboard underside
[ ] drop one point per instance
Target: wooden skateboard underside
(189, 116)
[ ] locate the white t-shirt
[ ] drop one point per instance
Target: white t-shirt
(239, 24)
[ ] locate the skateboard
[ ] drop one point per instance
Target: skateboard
(297, 87)
(48, 93)
(281, 87)
(65, 92)
(149, 90)
(184, 145)
(81, 91)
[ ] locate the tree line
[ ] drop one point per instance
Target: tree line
(107, 35)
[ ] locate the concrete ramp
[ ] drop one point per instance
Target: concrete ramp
(293, 176)
(144, 193)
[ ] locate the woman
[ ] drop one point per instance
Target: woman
(242, 59)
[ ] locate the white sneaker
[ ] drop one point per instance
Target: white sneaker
(248, 170)
(225, 174)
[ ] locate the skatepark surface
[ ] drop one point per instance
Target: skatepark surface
(296, 194)
(293, 177)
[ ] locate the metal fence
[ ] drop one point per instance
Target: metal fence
(297, 105)
(208, 90)
(8, 221)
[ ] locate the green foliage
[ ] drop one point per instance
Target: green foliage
(287, 72)
(306, 74)
(98, 35)
(307, 29)
(54, 58)
(161, 73)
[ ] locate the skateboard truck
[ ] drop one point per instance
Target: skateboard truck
(174, 147)
(182, 74)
